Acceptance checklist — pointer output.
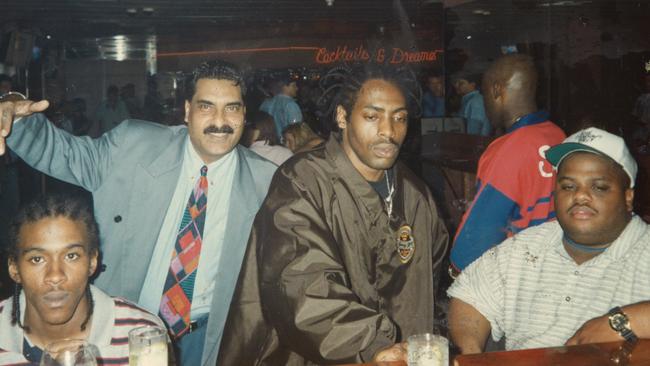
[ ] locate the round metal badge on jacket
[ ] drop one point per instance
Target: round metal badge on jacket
(405, 244)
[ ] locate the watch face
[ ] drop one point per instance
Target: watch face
(618, 322)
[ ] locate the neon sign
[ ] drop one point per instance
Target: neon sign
(393, 55)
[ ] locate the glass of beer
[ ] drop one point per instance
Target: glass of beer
(427, 350)
(148, 346)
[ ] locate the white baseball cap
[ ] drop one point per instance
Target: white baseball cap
(595, 141)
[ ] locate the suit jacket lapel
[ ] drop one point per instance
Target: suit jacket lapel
(244, 204)
(153, 193)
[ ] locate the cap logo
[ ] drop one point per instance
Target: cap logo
(587, 136)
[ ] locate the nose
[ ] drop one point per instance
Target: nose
(219, 117)
(582, 195)
(385, 128)
(55, 274)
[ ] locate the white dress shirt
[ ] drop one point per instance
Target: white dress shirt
(220, 177)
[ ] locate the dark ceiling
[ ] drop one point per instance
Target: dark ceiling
(95, 28)
(88, 18)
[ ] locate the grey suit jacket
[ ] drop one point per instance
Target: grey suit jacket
(132, 173)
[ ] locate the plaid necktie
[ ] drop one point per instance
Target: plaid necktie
(179, 285)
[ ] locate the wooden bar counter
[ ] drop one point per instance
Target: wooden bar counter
(614, 353)
(598, 354)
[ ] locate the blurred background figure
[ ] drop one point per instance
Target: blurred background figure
(127, 94)
(642, 105)
(111, 112)
(260, 137)
(153, 107)
(641, 111)
(472, 107)
(300, 137)
(433, 99)
(80, 122)
(282, 106)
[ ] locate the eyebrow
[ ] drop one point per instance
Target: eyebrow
(41, 250)
(563, 177)
(379, 109)
(238, 103)
(203, 101)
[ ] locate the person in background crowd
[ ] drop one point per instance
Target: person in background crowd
(141, 175)
(472, 107)
(343, 260)
(514, 181)
(152, 108)
(641, 111)
(299, 137)
(581, 279)
(433, 99)
(127, 95)
(53, 250)
(264, 141)
(111, 112)
(80, 121)
(642, 104)
(282, 106)
(60, 117)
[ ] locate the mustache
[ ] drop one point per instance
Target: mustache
(389, 140)
(579, 206)
(216, 129)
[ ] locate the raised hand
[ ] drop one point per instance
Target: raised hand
(10, 110)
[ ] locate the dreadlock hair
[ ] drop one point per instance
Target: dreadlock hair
(51, 206)
(341, 86)
(216, 70)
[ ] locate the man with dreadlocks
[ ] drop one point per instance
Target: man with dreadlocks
(53, 248)
(344, 256)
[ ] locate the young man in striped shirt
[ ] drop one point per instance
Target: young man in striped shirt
(53, 251)
(581, 279)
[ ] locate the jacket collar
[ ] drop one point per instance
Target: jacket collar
(172, 157)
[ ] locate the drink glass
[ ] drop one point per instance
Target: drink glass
(69, 352)
(427, 350)
(148, 346)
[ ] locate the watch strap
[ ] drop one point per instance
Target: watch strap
(628, 334)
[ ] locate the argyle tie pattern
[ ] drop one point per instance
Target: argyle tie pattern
(179, 285)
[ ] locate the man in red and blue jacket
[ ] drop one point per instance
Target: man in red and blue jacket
(514, 180)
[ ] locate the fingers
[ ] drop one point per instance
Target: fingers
(39, 106)
(573, 340)
(10, 110)
(394, 353)
(6, 119)
(27, 107)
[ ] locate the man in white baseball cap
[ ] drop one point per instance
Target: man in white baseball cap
(583, 278)
(595, 140)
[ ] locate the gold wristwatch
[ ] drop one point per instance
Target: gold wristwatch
(620, 323)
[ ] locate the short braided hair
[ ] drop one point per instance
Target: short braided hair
(58, 205)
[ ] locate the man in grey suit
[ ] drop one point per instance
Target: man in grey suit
(140, 175)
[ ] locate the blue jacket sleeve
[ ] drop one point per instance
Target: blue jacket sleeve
(81, 161)
(486, 224)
